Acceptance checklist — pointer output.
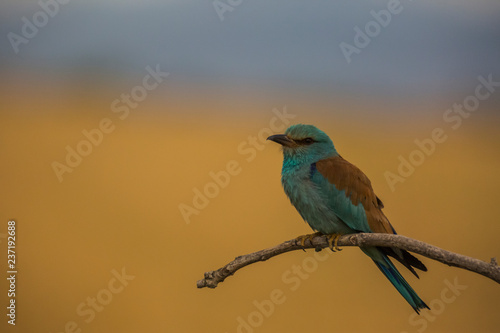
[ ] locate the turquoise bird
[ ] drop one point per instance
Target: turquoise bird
(336, 198)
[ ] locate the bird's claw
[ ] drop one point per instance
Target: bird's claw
(333, 241)
(302, 239)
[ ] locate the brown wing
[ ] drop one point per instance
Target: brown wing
(346, 176)
(358, 188)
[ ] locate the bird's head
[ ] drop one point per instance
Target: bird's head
(305, 144)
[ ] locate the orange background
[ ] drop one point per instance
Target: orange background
(120, 209)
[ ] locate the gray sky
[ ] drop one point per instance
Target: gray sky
(425, 47)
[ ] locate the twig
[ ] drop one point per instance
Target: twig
(490, 270)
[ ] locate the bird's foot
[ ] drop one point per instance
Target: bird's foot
(333, 241)
(302, 239)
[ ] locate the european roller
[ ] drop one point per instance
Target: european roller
(335, 198)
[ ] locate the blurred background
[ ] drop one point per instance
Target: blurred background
(104, 155)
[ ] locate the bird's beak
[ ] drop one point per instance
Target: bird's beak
(283, 140)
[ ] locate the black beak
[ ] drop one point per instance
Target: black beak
(283, 140)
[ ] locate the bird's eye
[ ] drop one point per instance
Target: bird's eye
(308, 141)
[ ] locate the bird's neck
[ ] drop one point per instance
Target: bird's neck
(292, 163)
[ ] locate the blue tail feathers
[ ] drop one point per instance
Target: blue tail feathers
(397, 280)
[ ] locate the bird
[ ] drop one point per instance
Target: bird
(336, 198)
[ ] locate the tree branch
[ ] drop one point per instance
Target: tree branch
(490, 270)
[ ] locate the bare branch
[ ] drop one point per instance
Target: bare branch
(490, 270)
